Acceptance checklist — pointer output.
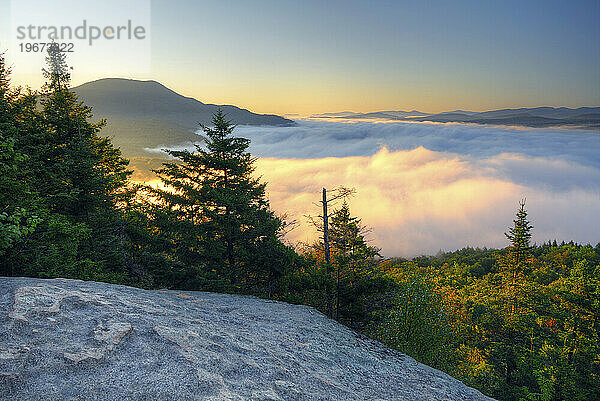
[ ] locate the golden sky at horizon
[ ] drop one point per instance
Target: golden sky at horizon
(303, 100)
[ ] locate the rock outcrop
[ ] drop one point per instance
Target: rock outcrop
(74, 340)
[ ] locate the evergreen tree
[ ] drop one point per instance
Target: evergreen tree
(57, 74)
(217, 213)
(356, 277)
(17, 213)
(88, 174)
(514, 266)
(515, 261)
(80, 182)
(520, 234)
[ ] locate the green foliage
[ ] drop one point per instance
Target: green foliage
(546, 348)
(358, 281)
(352, 289)
(15, 226)
(416, 321)
(526, 327)
(214, 216)
(520, 234)
(64, 185)
(308, 284)
(17, 214)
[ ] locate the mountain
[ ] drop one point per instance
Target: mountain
(335, 115)
(146, 114)
(76, 340)
(385, 115)
(548, 112)
(584, 117)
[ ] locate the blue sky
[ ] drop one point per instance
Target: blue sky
(310, 56)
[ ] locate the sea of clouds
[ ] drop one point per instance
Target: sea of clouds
(427, 187)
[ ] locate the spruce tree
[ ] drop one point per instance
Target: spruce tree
(513, 266)
(80, 183)
(514, 263)
(354, 265)
(88, 174)
(18, 216)
(520, 234)
(217, 213)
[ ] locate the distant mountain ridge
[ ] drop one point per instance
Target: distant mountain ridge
(586, 117)
(142, 114)
(388, 114)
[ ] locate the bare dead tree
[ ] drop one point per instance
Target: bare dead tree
(322, 225)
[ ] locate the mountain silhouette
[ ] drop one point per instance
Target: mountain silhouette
(146, 114)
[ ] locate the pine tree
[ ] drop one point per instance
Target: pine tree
(520, 234)
(57, 74)
(80, 181)
(515, 261)
(513, 266)
(18, 217)
(88, 174)
(217, 213)
(354, 266)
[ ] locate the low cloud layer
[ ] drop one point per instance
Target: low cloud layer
(420, 201)
(426, 187)
(316, 139)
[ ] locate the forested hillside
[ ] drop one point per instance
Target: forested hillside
(519, 323)
(515, 331)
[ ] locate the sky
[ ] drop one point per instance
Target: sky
(309, 56)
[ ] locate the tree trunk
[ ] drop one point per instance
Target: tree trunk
(327, 253)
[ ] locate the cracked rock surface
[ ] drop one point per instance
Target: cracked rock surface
(74, 340)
